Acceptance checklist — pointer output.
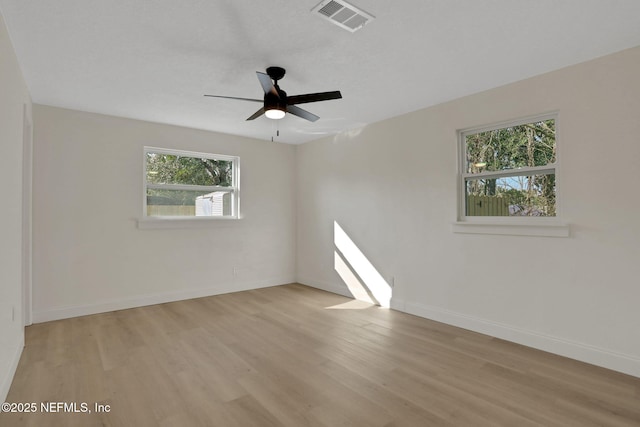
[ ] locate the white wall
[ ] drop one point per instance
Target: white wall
(392, 187)
(13, 98)
(89, 256)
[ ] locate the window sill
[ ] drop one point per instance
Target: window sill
(512, 229)
(176, 222)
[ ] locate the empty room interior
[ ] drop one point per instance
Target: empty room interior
(361, 213)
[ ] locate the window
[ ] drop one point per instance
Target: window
(187, 184)
(509, 170)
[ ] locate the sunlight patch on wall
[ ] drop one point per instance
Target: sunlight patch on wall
(356, 287)
(363, 280)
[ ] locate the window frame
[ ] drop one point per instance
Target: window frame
(510, 225)
(234, 189)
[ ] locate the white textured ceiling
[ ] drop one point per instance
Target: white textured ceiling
(154, 59)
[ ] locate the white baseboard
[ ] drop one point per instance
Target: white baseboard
(620, 362)
(586, 353)
(7, 379)
(325, 286)
(150, 299)
(583, 352)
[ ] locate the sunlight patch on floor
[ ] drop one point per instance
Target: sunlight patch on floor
(351, 305)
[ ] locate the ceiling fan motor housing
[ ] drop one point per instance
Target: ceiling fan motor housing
(273, 101)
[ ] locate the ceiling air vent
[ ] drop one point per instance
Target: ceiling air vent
(343, 14)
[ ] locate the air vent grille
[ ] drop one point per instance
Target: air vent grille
(343, 14)
(330, 8)
(356, 22)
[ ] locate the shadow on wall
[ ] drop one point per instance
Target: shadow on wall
(362, 279)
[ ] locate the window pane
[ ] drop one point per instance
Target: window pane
(173, 169)
(189, 203)
(531, 144)
(511, 196)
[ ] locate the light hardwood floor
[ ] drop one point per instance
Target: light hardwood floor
(295, 356)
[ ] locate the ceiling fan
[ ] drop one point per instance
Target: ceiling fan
(276, 102)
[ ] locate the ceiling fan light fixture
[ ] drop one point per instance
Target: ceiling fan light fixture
(274, 113)
(275, 103)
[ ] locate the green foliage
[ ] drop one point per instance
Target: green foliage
(527, 145)
(532, 144)
(171, 169)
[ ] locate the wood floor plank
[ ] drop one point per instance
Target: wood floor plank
(294, 356)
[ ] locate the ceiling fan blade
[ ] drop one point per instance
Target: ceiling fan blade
(267, 84)
(297, 111)
(313, 97)
(257, 114)
(233, 97)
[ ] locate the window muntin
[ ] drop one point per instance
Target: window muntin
(189, 184)
(510, 170)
